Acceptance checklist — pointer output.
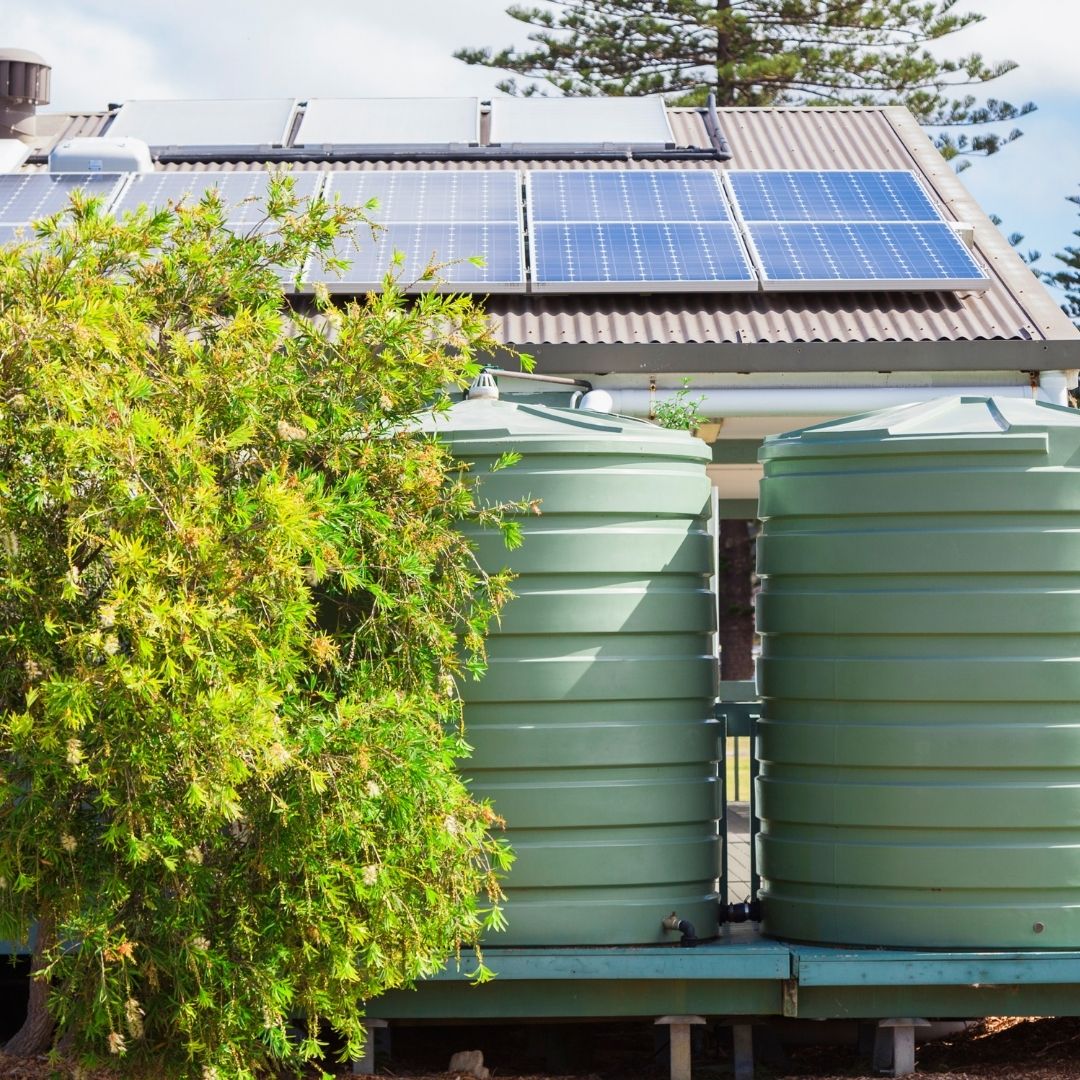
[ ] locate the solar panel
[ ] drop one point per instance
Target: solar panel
(445, 217)
(797, 195)
(627, 195)
(229, 122)
(582, 121)
(848, 230)
(629, 230)
(244, 193)
(26, 197)
(390, 122)
(833, 255)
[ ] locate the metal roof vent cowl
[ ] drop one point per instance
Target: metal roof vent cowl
(24, 85)
(484, 388)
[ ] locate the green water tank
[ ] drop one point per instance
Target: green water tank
(920, 676)
(592, 728)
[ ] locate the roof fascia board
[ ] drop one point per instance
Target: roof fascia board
(878, 356)
(1016, 276)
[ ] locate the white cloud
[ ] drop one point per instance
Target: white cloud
(95, 59)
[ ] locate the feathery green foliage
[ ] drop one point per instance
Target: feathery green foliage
(1068, 278)
(762, 52)
(232, 597)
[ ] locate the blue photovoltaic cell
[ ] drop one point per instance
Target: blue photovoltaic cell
(925, 255)
(865, 195)
(638, 195)
(26, 197)
(620, 252)
(443, 196)
(420, 245)
(631, 228)
(431, 217)
(862, 196)
(244, 193)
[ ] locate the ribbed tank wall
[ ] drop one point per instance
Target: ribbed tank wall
(592, 729)
(920, 675)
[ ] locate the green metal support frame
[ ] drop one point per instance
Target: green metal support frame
(742, 974)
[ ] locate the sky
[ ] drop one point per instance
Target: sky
(105, 51)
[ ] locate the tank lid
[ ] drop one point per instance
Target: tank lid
(942, 416)
(487, 420)
(489, 416)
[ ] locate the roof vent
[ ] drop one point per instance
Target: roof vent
(97, 154)
(24, 85)
(484, 388)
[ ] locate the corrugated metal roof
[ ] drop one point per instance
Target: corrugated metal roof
(1015, 307)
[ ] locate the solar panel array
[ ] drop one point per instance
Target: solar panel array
(28, 197)
(431, 219)
(811, 230)
(589, 230)
(617, 230)
(243, 193)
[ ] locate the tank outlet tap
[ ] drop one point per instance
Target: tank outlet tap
(682, 926)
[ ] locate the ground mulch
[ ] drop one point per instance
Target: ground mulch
(998, 1049)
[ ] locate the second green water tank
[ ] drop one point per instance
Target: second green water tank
(592, 729)
(920, 678)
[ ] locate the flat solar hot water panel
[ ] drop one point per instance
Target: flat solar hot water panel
(633, 230)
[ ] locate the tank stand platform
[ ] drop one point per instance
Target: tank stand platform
(743, 974)
(741, 977)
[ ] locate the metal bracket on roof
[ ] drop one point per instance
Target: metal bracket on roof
(284, 155)
(712, 126)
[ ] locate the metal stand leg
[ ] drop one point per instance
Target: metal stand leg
(894, 1046)
(742, 1057)
(679, 1034)
(365, 1066)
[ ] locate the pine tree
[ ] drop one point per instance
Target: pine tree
(1068, 279)
(762, 52)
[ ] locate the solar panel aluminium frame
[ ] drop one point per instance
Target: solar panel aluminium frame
(352, 286)
(749, 284)
(850, 285)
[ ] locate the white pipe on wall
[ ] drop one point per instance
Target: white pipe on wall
(806, 401)
(1055, 386)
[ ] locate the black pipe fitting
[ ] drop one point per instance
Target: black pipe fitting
(746, 911)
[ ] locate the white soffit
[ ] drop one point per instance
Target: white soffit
(400, 121)
(228, 122)
(596, 121)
